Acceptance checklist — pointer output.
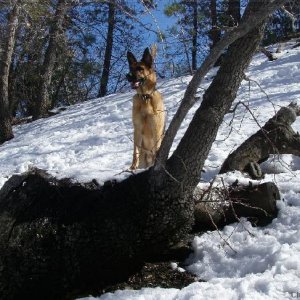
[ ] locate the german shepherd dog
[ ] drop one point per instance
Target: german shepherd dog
(148, 115)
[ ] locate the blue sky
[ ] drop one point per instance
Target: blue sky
(163, 20)
(158, 18)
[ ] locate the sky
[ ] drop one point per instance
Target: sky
(157, 20)
(166, 63)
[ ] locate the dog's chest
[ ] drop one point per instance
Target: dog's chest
(146, 107)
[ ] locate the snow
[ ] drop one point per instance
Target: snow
(93, 140)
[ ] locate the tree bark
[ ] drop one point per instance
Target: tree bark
(108, 49)
(62, 240)
(275, 137)
(196, 143)
(6, 132)
(56, 29)
(195, 35)
(214, 33)
(234, 12)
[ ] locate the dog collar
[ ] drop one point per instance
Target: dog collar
(145, 97)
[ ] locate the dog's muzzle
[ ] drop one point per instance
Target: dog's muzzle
(135, 82)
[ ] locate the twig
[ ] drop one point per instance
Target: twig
(218, 231)
(261, 89)
(232, 208)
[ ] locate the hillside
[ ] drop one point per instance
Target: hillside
(93, 140)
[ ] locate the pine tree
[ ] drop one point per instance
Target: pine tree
(192, 17)
(5, 63)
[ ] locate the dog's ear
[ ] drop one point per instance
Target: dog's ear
(147, 58)
(131, 59)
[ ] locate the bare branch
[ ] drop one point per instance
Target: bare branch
(289, 14)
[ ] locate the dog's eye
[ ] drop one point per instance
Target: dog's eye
(129, 77)
(139, 69)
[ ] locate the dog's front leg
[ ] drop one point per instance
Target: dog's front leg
(137, 144)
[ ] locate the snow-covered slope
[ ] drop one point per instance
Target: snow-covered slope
(93, 140)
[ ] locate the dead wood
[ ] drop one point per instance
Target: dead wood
(267, 53)
(217, 207)
(296, 45)
(275, 137)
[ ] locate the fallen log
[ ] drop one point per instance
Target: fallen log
(217, 207)
(275, 137)
(62, 240)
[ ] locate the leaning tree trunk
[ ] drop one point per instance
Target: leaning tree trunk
(108, 49)
(56, 29)
(6, 132)
(217, 100)
(275, 137)
(260, 11)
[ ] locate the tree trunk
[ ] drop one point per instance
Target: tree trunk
(275, 137)
(234, 12)
(260, 11)
(6, 132)
(196, 143)
(195, 35)
(214, 33)
(56, 29)
(108, 49)
(13, 100)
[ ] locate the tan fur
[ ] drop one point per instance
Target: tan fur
(148, 117)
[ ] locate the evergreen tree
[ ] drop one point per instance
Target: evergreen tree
(5, 63)
(190, 28)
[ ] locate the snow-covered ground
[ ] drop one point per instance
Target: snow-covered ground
(94, 140)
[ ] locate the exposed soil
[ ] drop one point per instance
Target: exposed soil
(159, 274)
